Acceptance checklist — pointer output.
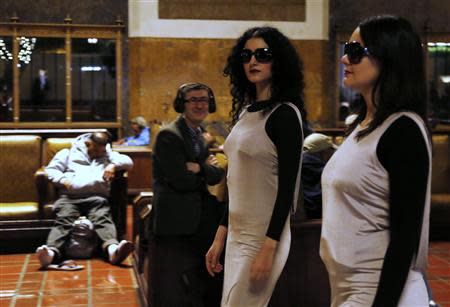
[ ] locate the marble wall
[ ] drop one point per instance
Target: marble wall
(159, 65)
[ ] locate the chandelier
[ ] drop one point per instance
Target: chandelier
(4, 53)
(26, 47)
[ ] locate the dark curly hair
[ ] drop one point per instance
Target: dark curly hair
(287, 72)
(401, 86)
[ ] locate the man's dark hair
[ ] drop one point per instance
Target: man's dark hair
(180, 99)
(100, 138)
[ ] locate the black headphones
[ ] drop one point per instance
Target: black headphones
(178, 103)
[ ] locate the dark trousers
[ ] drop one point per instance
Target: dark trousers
(95, 208)
(178, 275)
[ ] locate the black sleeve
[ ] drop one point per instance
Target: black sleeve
(212, 174)
(224, 219)
(403, 153)
(283, 128)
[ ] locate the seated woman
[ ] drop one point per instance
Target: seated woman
(141, 136)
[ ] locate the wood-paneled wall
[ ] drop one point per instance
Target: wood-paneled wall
(430, 14)
(54, 11)
(158, 66)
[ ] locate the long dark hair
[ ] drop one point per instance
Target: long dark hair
(287, 72)
(401, 86)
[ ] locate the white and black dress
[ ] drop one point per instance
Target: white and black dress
(376, 200)
(264, 156)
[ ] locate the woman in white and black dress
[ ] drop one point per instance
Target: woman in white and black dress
(376, 187)
(264, 156)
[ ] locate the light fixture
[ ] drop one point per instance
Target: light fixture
(4, 53)
(26, 48)
(91, 68)
(441, 44)
(445, 79)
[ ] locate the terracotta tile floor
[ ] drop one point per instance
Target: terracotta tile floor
(99, 284)
(439, 272)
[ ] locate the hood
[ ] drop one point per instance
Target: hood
(79, 146)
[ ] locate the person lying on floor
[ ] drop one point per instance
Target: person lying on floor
(83, 175)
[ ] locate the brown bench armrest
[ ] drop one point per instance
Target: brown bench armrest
(118, 201)
(42, 185)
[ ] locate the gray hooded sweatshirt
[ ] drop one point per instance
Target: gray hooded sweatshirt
(84, 174)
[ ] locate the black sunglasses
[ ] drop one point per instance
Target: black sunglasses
(262, 55)
(355, 52)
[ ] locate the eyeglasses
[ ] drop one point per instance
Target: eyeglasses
(355, 52)
(202, 100)
(262, 55)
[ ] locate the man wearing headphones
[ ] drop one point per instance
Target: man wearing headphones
(184, 219)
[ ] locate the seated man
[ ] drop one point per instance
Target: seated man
(317, 150)
(83, 175)
(141, 133)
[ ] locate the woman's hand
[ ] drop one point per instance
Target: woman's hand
(193, 167)
(262, 265)
(212, 256)
(212, 160)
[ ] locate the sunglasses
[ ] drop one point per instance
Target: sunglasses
(355, 52)
(262, 55)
